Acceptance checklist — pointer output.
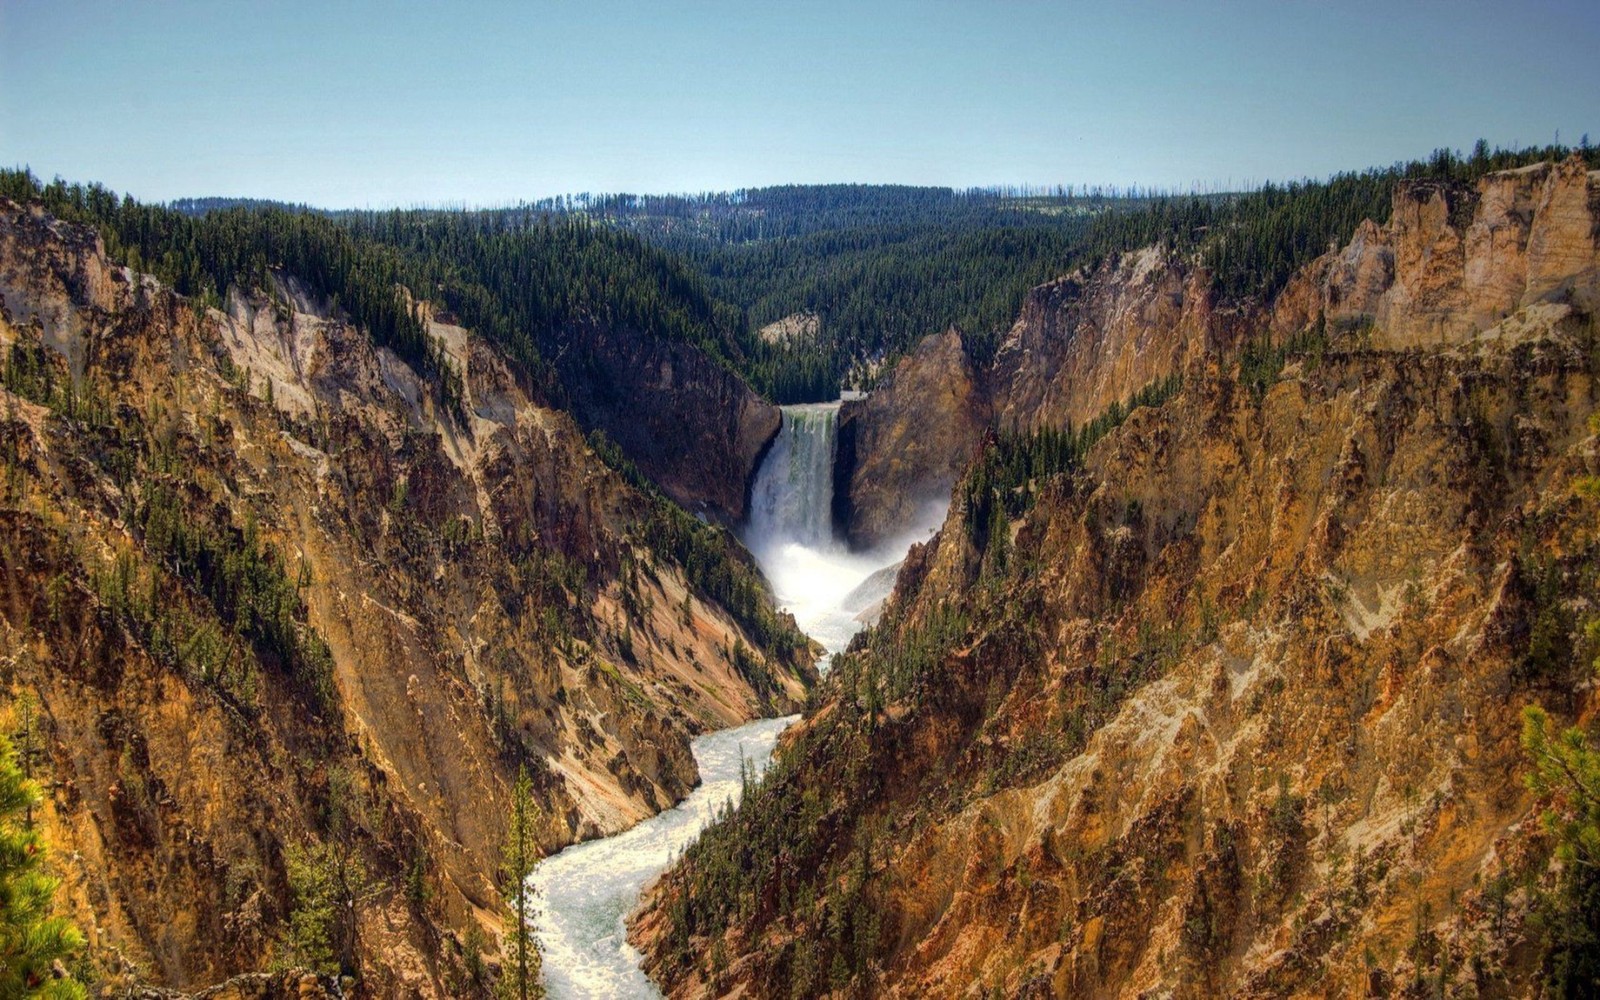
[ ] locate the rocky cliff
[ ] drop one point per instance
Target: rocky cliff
(1091, 339)
(272, 596)
(902, 448)
(1456, 261)
(1452, 261)
(1230, 705)
(1080, 344)
(689, 422)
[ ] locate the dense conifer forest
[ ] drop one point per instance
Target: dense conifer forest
(878, 266)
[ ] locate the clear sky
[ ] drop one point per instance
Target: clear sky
(347, 103)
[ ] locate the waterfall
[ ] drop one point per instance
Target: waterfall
(792, 500)
(586, 890)
(812, 572)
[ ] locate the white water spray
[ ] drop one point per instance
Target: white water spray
(587, 890)
(813, 573)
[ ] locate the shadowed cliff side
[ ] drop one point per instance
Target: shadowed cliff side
(688, 421)
(902, 448)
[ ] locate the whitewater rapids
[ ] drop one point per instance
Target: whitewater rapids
(586, 892)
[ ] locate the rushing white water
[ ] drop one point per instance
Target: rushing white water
(586, 891)
(814, 575)
(792, 498)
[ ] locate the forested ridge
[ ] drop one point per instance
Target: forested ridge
(883, 266)
(879, 266)
(519, 286)
(520, 282)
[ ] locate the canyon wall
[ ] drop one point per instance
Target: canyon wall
(1090, 339)
(272, 595)
(1233, 707)
(902, 448)
(1453, 262)
(688, 421)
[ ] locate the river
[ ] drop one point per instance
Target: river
(586, 891)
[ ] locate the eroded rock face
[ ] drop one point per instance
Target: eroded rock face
(1081, 343)
(1088, 340)
(479, 580)
(1236, 709)
(902, 448)
(691, 424)
(1515, 255)
(290, 985)
(1253, 700)
(1453, 263)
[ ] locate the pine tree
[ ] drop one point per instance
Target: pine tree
(1566, 773)
(27, 747)
(519, 859)
(31, 941)
(328, 883)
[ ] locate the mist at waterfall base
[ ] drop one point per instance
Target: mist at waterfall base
(586, 892)
(814, 575)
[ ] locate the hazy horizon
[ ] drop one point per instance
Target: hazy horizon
(367, 105)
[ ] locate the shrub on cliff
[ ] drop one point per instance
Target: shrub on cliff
(32, 942)
(1566, 772)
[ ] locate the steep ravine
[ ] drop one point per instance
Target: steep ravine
(688, 421)
(271, 596)
(1233, 707)
(586, 891)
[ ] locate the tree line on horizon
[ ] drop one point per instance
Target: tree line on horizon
(879, 266)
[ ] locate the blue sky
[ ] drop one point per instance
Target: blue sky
(354, 103)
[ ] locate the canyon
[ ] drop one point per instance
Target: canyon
(1174, 640)
(272, 595)
(1234, 705)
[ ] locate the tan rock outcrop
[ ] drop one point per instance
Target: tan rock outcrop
(1453, 263)
(1088, 340)
(903, 447)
